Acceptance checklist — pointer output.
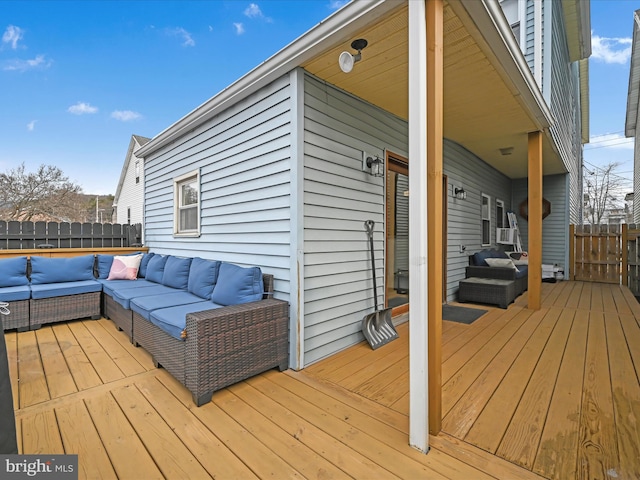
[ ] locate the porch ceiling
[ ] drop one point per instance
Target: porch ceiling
(481, 112)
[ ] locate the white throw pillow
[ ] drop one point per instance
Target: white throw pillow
(500, 262)
(125, 267)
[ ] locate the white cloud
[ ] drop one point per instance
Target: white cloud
(31, 125)
(23, 65)
(336, 4)
(239, 28)
(188, 40)
(125, 115)
(611, 141)
(253, 11)
(12, 35)
(610, 50)
(81, 108)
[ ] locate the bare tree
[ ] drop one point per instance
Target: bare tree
(603, 192)
(46, 193)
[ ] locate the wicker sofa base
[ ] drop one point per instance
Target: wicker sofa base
(487, 290)
(18, 316)
(223, 346)
(63, 308)
(119, 315)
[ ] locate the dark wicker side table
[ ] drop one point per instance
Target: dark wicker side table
(487, 290)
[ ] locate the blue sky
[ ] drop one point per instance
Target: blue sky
(78, 78)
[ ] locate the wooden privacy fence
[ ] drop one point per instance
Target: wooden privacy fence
(606, 254)
(16, 235)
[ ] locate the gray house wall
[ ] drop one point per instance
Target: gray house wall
(464, 226)
(338, 198)
(555, 227)
(243, 156)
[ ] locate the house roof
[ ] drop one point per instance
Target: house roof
(491, 100)
(634, 80)
(136, 142)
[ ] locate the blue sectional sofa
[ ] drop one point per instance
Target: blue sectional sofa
(208, 323)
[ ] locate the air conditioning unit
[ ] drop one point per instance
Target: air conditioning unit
(506, 235)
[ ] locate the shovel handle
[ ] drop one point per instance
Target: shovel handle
(368, 225)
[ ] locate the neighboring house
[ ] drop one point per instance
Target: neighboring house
(273, 170)
(129, 199)
(632, 129)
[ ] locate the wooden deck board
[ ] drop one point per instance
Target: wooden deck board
(555, 390)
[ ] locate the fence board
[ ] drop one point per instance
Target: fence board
(16, 235)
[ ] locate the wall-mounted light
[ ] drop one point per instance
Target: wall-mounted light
(346, 59)
(459, 193)
(375, 165)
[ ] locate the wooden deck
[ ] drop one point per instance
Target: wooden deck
(84, 389)
(554, 391)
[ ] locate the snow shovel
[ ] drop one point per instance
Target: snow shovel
(377, 327)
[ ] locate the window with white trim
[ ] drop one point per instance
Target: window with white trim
(486, 220)
(511, 10)
(501, 219)
(187, 204)
(137, 171)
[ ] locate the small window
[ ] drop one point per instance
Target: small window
(129, 215)
(511, 10)
(138, 171)
(486, 220)
(501, 221)
(187, 202)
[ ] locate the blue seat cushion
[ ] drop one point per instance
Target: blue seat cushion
(173, 320)
(203, 275)
(155, 268)
(109, 286)
(176, 272)
(124, 296)
(50, 290)
(57, 270)
(145, 305)
(142, 271)
(14, 294)
(523, 271)
(237, 285)
(13, 272)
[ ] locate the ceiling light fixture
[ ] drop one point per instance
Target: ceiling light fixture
(346, 59)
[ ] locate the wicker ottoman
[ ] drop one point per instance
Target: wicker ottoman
(487, 290)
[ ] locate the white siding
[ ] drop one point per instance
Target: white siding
(636, 177)
(132, 193)
(464, 226)
(243, 156)
(338, 197)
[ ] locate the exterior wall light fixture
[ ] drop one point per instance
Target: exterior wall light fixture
(346, 59)
(459, 193)
(375, 166)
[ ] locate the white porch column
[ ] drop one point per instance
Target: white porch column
(418, 268)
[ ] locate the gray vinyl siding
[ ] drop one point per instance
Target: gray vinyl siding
(565, 107)
(555, 227)
(132, 193)
(636, 177)
(464, 217)
(529, 42)
(243, 156)
(338, 198)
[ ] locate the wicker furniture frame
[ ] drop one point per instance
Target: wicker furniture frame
(499, 273)
(18, 316)
(63, 308)
(122, 317)
(487, 290)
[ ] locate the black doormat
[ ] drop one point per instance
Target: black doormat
(465, 315)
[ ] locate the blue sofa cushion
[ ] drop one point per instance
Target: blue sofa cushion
(480, 257)
(155, 268)
(109, 286)
(237, 285)
(203, 275)
(145, 305)
(123, 296)
(14, 294)
(176, 272)
(50, 290)
(103, 262)
(57, 270)
(142, 271)
(13, 272)
(173, 320)
(523, 271)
